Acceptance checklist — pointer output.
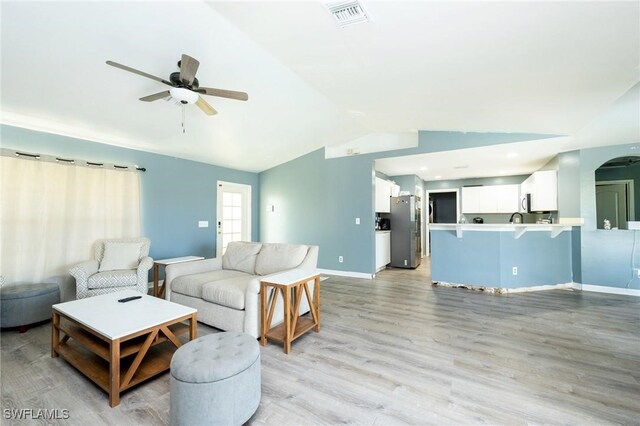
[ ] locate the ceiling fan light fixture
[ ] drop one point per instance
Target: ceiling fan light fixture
(183, 95)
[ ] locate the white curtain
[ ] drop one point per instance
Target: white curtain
(52, 213)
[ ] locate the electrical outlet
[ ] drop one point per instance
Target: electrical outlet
(357, 221)
(203, 224)
(637, 272)
(340, 259)
(514, 271)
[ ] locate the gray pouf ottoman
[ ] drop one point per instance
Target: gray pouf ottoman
(24, 304)
(215, 380)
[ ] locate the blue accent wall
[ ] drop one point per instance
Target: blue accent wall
(568, 166)
(316, 201)
(175, 193)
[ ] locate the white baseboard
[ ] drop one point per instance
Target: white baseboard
(346, 273)
(606, 289)
(564, 286)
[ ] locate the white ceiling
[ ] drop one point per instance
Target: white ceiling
(539, 67)
(506, 160)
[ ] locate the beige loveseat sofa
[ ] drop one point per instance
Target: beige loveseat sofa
(226, 291)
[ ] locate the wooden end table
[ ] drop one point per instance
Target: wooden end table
(294, 325)
(119, 345)
(165, 262)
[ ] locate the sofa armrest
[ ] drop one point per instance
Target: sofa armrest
(145, 264)
(81, 272)
(311, 260)
(175, 270)
(142, 273)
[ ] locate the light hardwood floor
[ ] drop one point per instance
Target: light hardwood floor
(395, 350)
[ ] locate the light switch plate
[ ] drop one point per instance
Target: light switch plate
(357, 221)
(203, 224)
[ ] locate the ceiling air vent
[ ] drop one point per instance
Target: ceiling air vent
(348, 12)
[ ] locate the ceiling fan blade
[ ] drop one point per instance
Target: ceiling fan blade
(155, 96)
(240, 96)
(205, 107)
(188, 69)
(135, 71)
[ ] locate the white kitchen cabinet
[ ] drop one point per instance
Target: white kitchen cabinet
(395, 190)
(508, 198)
(383, 249)
(382, 196)
(471, 199)
(490, 199)
(543, 187)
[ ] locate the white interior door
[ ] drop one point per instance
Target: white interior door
(233, 214)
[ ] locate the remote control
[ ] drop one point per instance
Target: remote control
(129, 299)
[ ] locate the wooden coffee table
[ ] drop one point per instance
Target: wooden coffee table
(119, 345)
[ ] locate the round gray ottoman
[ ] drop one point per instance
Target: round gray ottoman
(215, 380)
(24, 304)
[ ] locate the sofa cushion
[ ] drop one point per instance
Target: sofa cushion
(111, 279)
(241, 256)
(191, 285)
(229, 292)
(279, 257)
(120, 255)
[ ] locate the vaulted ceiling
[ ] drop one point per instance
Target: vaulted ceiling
(537, 67)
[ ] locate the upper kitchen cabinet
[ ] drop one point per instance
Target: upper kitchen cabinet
(395, 189)
(543, 187)
(382, 196)
(490, 199)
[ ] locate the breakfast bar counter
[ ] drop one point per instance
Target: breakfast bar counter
(505, 257)
(517, 228)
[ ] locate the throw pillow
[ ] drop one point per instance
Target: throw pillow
(279, 257)
(120, 255)
(241, 256)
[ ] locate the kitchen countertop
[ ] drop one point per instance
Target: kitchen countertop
(518, 228)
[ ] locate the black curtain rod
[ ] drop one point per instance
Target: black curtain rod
(71, 161)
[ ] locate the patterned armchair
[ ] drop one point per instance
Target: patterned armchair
(118, 264)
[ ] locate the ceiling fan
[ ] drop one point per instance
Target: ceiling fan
(185, 87)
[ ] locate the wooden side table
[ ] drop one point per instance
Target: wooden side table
(294, 325)
(165, 262)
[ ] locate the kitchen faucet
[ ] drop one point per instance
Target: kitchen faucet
(520, 219)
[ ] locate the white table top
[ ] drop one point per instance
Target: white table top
(291, 277)
(177, 260)
(112, 319)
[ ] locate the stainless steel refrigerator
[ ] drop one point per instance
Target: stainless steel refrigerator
(405, 231)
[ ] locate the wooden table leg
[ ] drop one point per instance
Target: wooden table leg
(193, 327)
(263, 314)
(286, 296)
(55, 333)
(114, 373)
(156, 270)
(316, 301)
